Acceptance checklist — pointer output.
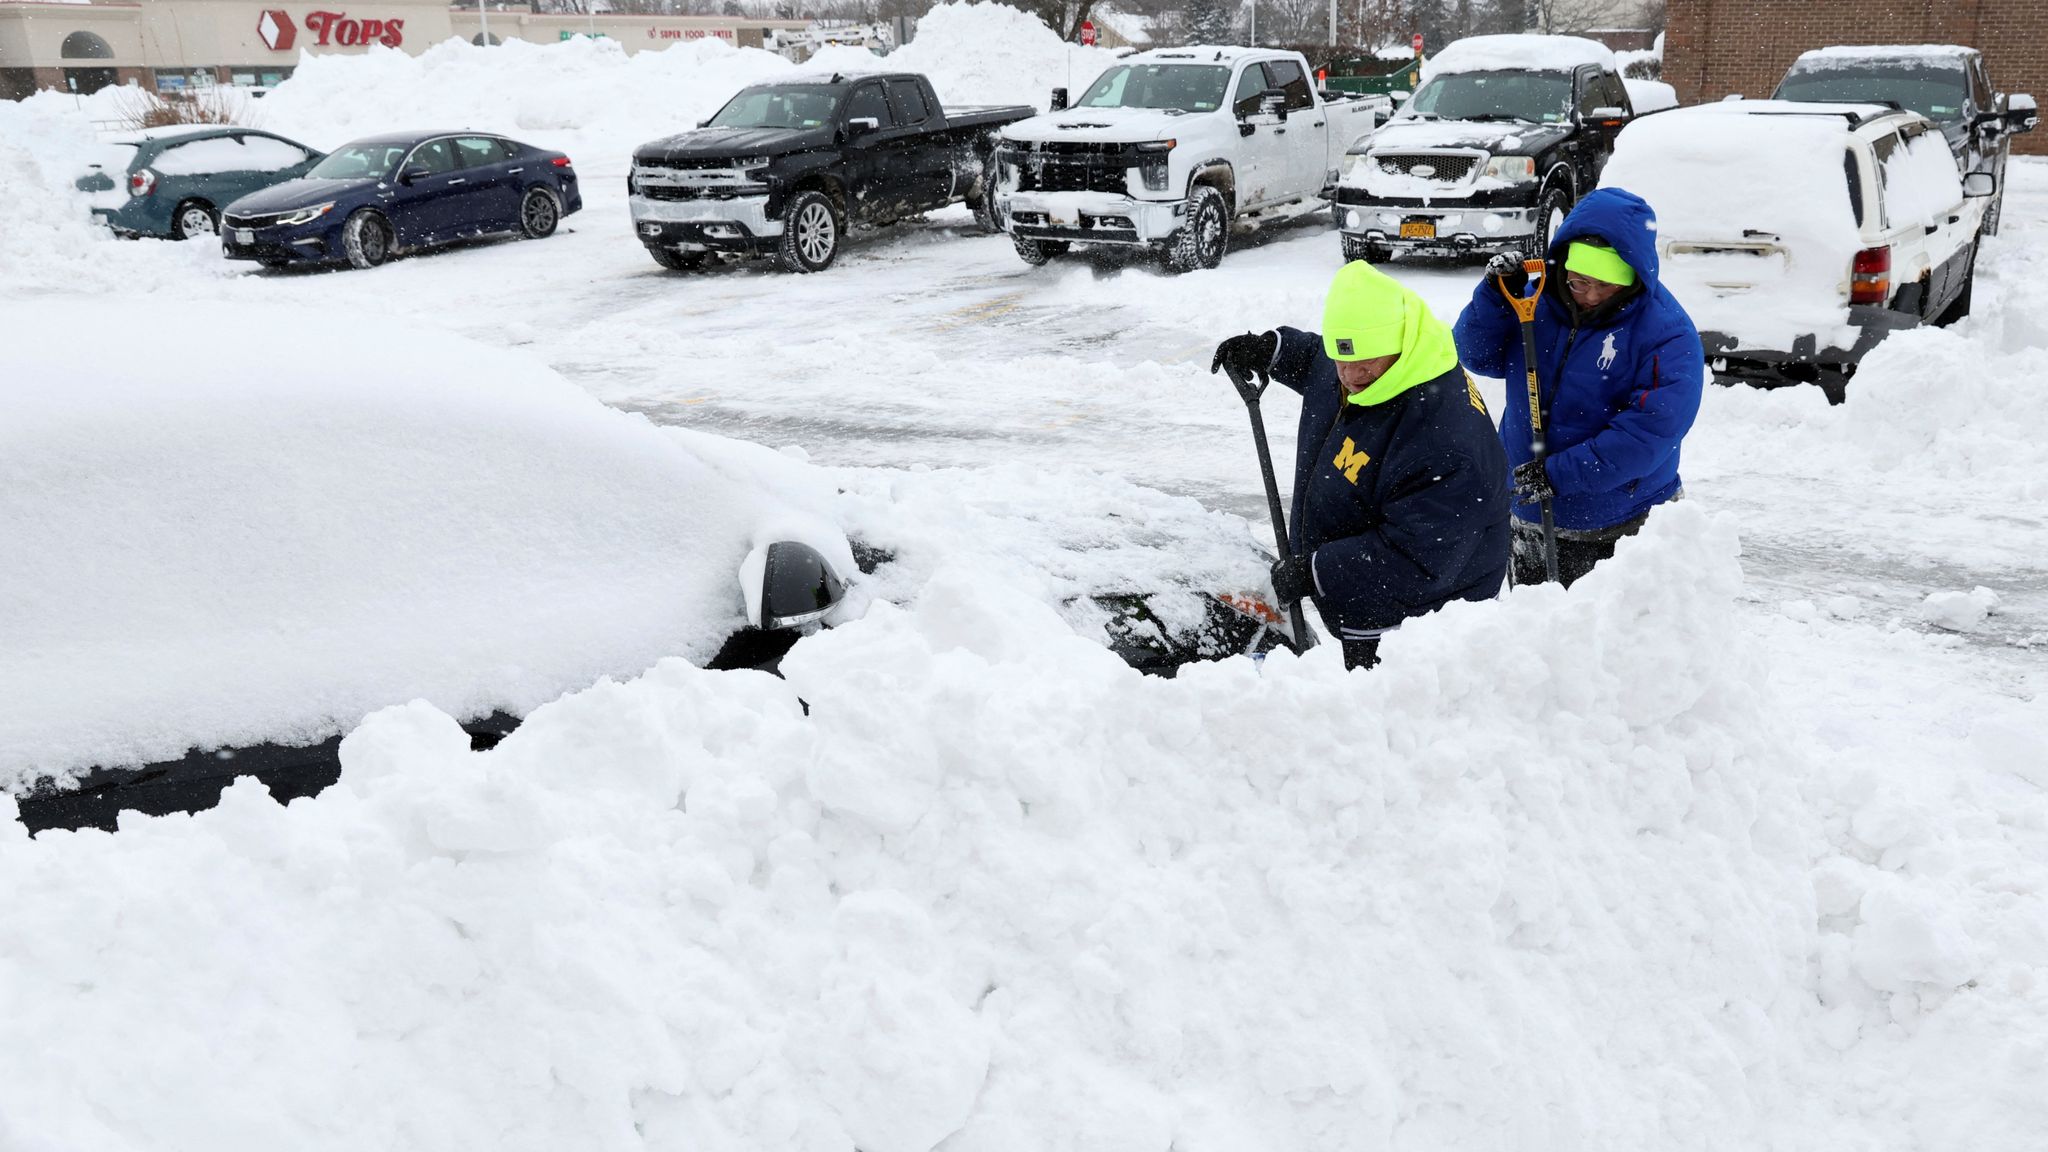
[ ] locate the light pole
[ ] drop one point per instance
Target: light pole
(483, 14)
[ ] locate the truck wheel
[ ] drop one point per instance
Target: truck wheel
(676, 261)
(366, 239)
(810, 233)
(1037, 252)
(1550, 214)
(1200, 243)
(984, 203)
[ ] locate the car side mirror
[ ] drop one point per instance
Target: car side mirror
(410, 175)
(861, 126)
(1979, 184)
(788, 585)
(1608, 113)
(2021, 113)
(1273, 102)
(1059, 100)
(1399, 95)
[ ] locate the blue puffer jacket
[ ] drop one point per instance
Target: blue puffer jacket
(1400, 506)
(1620, 392)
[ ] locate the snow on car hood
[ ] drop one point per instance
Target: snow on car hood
(1104, 125)
(265, 529)
(716, 143)
(1498, 139)
(301, 193)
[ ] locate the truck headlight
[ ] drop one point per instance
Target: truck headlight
(1512, 169)
(1348, 165)
(1152, 163)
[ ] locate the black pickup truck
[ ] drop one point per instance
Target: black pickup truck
(784, 168)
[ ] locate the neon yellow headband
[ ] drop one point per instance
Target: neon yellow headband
(1602, 264)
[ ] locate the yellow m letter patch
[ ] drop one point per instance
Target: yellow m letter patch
(1472, 394)
(1349, 460)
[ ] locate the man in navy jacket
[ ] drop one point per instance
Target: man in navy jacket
(1400, 485)
(1621, 371)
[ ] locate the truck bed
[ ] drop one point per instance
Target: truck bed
(986, 115)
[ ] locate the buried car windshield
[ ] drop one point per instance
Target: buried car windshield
(1936, 91)
(1544, 97)
(782, 107)
(358, 161)
(1187, 87)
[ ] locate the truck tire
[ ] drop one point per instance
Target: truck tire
(984, 202)
(1037, 252)
(674, 260)
(1551, 210)
(1359, 248)
(811, 229)
(366, 238)
(1201, 242)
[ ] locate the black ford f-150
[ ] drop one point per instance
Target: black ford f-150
(784, 168)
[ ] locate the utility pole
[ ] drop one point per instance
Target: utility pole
(1333, 23)
(483, 14)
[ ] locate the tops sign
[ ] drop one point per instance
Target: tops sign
(277, 31)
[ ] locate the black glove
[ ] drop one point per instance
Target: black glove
(1251, 353)
(1532, 483)
(1293, 579)
(1506, 267)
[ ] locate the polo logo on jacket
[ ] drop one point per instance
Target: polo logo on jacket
(1607, 353)
(1349, 460)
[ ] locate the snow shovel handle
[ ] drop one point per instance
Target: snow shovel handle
(1525, 311)
(1251, 393)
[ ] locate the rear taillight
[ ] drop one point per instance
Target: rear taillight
(1870, 276)
(560, 161)
(141, 182)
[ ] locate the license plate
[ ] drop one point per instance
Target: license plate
(650, 229)
(244, 236)
(1419, 230)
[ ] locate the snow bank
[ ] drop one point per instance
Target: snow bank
(204, 554)
(982, 54)
(1650, 95)
(1518, 50)
(1683, 161)
(586, 97)
(1539, 881)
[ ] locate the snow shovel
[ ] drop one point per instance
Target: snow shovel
(1525, 311)
(1251, 393)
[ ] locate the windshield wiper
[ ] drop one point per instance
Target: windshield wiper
(1485, 117)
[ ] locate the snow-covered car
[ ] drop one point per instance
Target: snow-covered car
(1853, 223)
(1504, 136)
(1168, 149)
(1947, 83)
(172, 182)
(218, 566)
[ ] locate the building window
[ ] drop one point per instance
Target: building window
(184, 79)
(86, 46)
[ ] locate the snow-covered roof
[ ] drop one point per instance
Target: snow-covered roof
(1519, 50)
(1846, 53)
(168, 132)
(1200, 54)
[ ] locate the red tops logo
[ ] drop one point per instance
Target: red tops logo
(276, 29)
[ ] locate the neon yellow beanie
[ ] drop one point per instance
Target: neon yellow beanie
(1602, 264)
(1362, 314)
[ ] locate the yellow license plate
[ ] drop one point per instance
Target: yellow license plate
(1419, 230)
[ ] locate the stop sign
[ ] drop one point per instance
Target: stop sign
(1418, 43)
(1088, 32)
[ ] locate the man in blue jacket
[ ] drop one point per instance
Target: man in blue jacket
(1621, 372)
(1400, 485)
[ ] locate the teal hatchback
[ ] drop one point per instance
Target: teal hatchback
(173, 182)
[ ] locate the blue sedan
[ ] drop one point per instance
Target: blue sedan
(386, 196)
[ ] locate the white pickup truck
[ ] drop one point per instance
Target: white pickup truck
(1168, 148)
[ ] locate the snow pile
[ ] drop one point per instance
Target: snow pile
(982, 54)
(200, 556)
(579, 96)
(46, 144)
(1650, 95)
(1518, 50)
(1766, 293)
(1962, 406)
(1544, 873)
(1959, 611)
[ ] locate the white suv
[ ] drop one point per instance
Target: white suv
(1799, 235)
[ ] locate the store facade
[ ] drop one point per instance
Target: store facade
(178, 45)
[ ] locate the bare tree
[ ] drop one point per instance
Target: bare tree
(1557, 16)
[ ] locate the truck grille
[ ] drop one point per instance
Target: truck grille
(1073, 167)
(701, 192)
(1427, 166)
(685, 165)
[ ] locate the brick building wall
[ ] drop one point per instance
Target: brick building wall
(1716, 47)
